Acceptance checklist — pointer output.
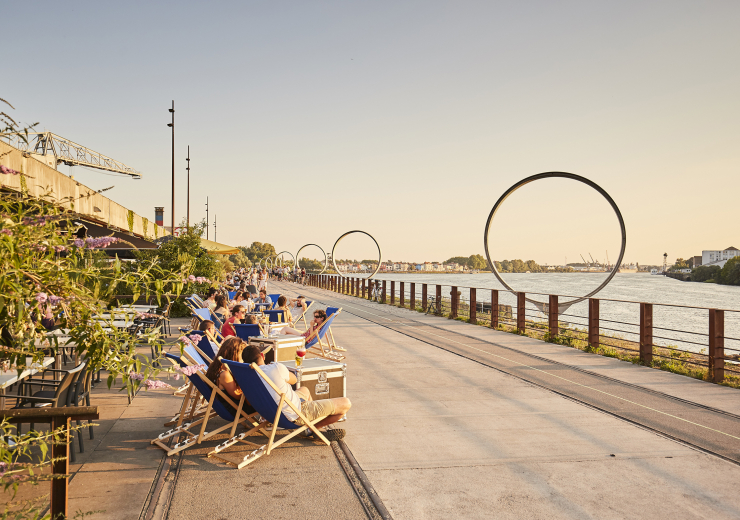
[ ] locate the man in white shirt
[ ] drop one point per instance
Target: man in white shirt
(330, 409)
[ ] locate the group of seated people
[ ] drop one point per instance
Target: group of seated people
(236, 349)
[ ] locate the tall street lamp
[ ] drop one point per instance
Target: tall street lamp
(207, 222)
(188, 168)
(172, 125)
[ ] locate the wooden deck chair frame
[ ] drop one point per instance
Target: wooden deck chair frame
(318, 349)
(330, 337)
(184, 428)
(303, 317)
(266, 449)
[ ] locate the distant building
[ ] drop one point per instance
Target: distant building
(696, 261)
(719, 258)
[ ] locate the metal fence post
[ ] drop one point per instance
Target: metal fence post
(716, 345)
(646, 333)
(424, 297)
(593, 322)
(383, 291)
(412, 296)
(453, 303)
(552, 317)
(494, 309)
(393, 292)
(521, 315)
(402, 294)
(473, 307)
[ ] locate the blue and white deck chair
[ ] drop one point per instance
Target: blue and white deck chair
(261, 307)
(250, 379)
(315, 346)
(198, 301)
(274, 298)
(330, 337)
(208, 391)
(231, 294)
(247, 330)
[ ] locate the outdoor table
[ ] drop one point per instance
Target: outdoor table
(10, 377)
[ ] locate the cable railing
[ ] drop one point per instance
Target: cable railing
(698, 341)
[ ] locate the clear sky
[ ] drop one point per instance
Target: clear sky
(404, 119)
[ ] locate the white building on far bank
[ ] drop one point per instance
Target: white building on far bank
(719, 258)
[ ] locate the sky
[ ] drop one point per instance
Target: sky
(407, 120)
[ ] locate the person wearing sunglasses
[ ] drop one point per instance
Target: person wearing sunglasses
(237, 315)
(319, 317)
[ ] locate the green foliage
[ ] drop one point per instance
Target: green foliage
(257, 251)
(131, 221)
(477, 262)
(519, 266)
(680, 264)
(731, 272)
(311, 265)
(240, 259)
(704, 273)
(462, 260)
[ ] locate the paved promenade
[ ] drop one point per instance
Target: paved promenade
(441, 435)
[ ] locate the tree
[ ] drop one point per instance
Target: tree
(680, 264)
(311, 265)
(462, 260)
(731, 272)
(477, 262)
(257, 251)
(240, 259)
(705, 273)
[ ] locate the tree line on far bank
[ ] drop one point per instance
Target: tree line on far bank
(727, 275)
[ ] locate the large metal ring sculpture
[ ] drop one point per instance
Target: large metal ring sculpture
(563, 175)
(326, 258)
(334, 260)
(281, 259)
(268, 259)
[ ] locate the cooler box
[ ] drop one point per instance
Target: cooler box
(325, 379)
(285, 346)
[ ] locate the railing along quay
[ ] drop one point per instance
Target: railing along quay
(653, 334)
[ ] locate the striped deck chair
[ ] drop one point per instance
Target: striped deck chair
(252, 381)
(202, 387)
(315, 346)
(330, 335)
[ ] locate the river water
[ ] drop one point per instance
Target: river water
(674, 325)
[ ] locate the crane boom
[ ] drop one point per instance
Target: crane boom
(67, 152)
(584, 261)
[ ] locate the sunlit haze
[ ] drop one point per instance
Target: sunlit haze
(404, 119)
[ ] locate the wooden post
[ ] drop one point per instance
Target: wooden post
(363, 288)
(402, 295)
(393, 292)
(357, 287)
(424, 297)
(473, 307)
(494, 309)
(521, 316)
(60, 486)
(552, 317)
(646, 333)
(716, 345)
(593, 322)
(453, 303)
(439, 301)
(412, 297)
(384, 291)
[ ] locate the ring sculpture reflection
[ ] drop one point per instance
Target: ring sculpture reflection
(334, 260)
(326, 259)
(561, 175)
(281, 258)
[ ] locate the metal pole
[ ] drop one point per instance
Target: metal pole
(214, 228)
(172, 125)
(207, 222)
(188, 168)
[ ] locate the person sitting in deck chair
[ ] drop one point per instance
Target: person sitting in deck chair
(331, 409)
(264, 298)
(232, 350)
(237, 314)
(297, 307)
(319, 317)
(210, 327)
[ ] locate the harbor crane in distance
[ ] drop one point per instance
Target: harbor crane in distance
(607, 260)
(53, 150)
(584, 261)
(592, 259)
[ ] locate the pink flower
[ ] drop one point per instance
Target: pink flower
(54, 300)
(154, 385)
(59, 249)
(7, 232)
(191, 278)
(78, 242)
(135, 375)
(41, 297)
(190, 370)
(8, 171)
(195, 338)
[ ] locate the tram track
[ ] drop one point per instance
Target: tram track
(709, 430)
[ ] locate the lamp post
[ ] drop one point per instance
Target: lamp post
(207, 223)
(214, 227)
(188, 169)
(172, 125)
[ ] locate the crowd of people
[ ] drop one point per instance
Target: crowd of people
(242, 278)
(250, 288)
